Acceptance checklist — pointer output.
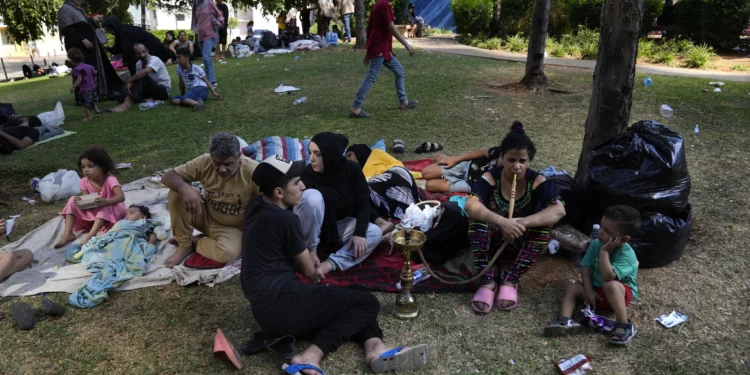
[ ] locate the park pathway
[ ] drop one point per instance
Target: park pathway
(449, 45)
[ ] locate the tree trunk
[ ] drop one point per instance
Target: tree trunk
(361, 33)
(497, 24)
(612, 97)
(537, 40)
(143, 14)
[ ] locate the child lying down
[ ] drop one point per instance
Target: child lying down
(115, 257)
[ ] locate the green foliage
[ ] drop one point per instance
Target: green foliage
(717, 23)
(589, 50)
(494, 43)
(232, 23)
(437, 31)
(699, 56)
(482, 45)
(740, 68)
(555, 49)
(646, 48)
(472, 16)
(26, 19)
(515, 16)
(652, 10)
(516, 43)
(663, 57)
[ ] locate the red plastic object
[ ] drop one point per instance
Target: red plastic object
(224, 348)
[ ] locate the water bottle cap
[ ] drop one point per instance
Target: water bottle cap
(596, 226)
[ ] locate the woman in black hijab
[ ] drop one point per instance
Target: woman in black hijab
(335, 208)
(391, 192)
(79, 32)
(126, 36)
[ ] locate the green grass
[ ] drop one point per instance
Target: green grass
(169, 329)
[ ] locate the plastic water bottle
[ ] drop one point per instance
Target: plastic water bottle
(419, 275)
(257, 47)
(648, 82)
(296, 57)
(300, 100)
(148, 105)
(283, 45)
(696, 131)
(666, 111)
(34, 183)
(595, 232)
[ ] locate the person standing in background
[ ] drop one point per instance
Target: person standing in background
(206, 20)
(223, 29)
(346, 8)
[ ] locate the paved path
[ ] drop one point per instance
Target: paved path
(13, 66)
(448, 45)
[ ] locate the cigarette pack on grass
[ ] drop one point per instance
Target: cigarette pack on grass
(87, 201)
(577, 365)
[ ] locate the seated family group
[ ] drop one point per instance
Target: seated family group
(285, 217)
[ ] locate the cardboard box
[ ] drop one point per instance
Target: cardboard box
(87, 201)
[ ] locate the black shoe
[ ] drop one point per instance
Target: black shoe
(52, 308)
(283, 346)
(24, 315)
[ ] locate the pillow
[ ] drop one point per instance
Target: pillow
(288, 147)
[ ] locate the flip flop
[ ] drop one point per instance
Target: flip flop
(507, 293)
(24, 315)
(398, 146)
(401, 359)
(362, 114)
(223, 347)
(52, 308)
(429, 147)
(297, 369)
(411, 104)
(484, 295)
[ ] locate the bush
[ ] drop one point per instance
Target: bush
(162, 34)
(555, 49)
(663, 57)
(437, 31)
(740, 68)
(717, 23)
(482, 45)
(573, 50)
(515, 16)
(590, 50)
(646, 48)
(494, 43)
(516, 43)
(698, 56)
(473, 16)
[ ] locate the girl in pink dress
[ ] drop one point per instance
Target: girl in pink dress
(98, 177)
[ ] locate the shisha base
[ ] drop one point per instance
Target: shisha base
(408, 240)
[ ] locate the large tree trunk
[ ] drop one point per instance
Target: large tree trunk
(609, 111)
(361, 33)
(497, 26)
(537, 40)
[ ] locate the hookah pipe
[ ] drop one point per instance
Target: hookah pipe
(494, 258)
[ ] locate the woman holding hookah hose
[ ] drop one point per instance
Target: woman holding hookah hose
(527, 229)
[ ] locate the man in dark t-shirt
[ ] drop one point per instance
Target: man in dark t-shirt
(283, 305)
(17, 137)
(380, 33)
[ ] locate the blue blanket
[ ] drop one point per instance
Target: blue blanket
(115, 257)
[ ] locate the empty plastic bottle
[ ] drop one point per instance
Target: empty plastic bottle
(419, 275)
(148, 105)
(296, 57)
(595, 232)
(648, 82)
(300, 100)
(696, 131)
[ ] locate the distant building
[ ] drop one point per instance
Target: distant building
(160, 19)
(49, 45)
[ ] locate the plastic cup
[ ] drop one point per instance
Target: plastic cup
(9, 226)
(666, 111)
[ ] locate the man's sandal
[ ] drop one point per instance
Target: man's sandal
(362, 114)
(297, 369)
(623, 338)
(398, 146)
(411, 104)
(428, 147)
(401, 359)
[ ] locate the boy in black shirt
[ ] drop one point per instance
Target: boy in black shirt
(272, 245)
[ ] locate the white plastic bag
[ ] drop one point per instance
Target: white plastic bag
(62, 184)
(429, 214)
(412, 217)
(53, 118)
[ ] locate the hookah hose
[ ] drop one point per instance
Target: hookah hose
(494, 258)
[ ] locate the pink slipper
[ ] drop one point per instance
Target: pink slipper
(507, 293)
(486, 296)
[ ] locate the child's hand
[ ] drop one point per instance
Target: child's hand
(152, 239)
(76, 200)
(101, 202)
(72, 90)
(217, 95)
(592, 298)
(613, 244)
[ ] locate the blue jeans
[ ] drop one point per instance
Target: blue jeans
(347, 25)
(372, 75)
(195, 94)
(207, 47)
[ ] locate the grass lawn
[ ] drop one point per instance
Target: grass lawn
(169, 329)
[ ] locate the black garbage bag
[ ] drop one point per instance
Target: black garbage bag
(448, 238)
(269, 41)
(572, 195)
(644, 167)
(662, 239)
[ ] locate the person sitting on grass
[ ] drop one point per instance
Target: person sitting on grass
(84, 80)
(608, 273)
(99, 171)
(151, 81)
(273, 251)
(537, 209)
(12, 261)
(194, 78)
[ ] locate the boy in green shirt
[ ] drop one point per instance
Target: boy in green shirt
(608, 273)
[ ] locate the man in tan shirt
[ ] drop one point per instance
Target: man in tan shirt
(227, 182)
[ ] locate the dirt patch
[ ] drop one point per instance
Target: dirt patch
(516, 88)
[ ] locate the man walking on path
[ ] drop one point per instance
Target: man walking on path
(380, 27)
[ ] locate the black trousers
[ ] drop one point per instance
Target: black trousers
(147, 88)
(327, 315)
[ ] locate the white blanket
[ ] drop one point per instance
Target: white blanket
(50, 272)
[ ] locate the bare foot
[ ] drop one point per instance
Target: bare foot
(385, 226)
(86, 237)
(179, 255)
(302, 359)
(64, 240)
(322, 270)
